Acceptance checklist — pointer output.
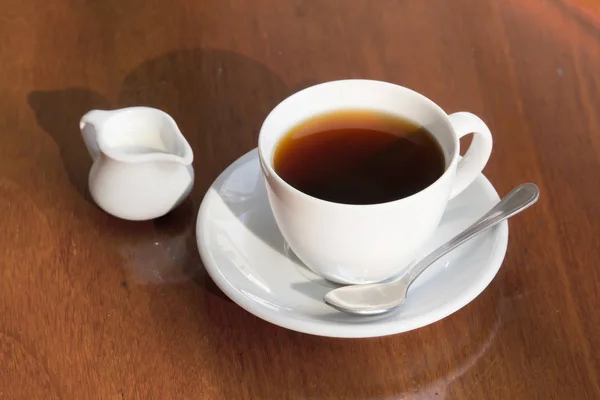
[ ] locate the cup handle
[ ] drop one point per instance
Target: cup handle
(477, 154)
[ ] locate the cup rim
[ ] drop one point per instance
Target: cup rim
(269, 170)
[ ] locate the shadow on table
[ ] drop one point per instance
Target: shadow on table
(58, 113)
(219, 99)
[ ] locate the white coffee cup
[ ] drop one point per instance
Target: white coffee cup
(354, 244)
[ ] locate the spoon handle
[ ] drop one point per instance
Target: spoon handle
(513, 203)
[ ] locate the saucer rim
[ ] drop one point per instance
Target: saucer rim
(337, 329)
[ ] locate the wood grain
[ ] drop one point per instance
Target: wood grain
(92, 307)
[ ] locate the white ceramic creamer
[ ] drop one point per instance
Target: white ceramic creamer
(142, 163)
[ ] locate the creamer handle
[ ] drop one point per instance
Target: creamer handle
(90, 124)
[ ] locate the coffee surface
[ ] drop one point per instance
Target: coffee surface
(358, 157)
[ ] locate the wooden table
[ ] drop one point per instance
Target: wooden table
(92, 307)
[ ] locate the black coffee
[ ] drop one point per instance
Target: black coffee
(359, 157)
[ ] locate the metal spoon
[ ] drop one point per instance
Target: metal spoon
(380, 298)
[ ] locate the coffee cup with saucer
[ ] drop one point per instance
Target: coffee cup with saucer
(245, 211)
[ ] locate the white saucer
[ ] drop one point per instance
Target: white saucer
(245, 254)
